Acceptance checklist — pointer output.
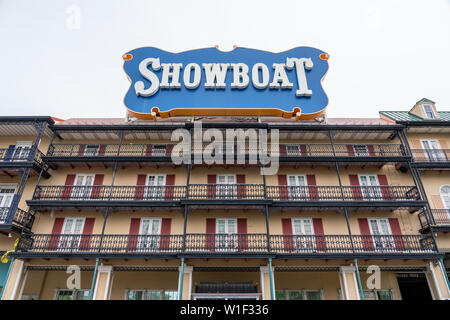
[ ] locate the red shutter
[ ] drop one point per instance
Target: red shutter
(164, 243)
(149, 150)
(134, 232)
(96, 191)
(303, 150)
(81, 149)
(366, 238)
(350, 150)
(354, 181)
(101, 150)
(141, 179)
(396, 230)
(211, 188)
(66, 191)
(313, 192)
(57, 228)
(371, 150)
(169, 149)
(283, 150)
(286, 225)
(321, 244)
(282, 181)
(241, 188)
(242, 234)
(87, 230)
(170, 182)
(210, 236)
(385, 191)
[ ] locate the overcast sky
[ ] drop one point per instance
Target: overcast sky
(64, 58)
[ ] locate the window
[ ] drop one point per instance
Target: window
(6, 198)
(22, 150)
(429, 112)
(91, 150)
(298, 294)
(83, 187)
(226, 238)
(445, 196)
(381, 233)
(29, 297)
(378, 295)
(159, 150)
(155, 187)
(361, 150)
(151, 295)
(298, 189)
(71, 234)
(149, 234)
(293, 150)
(432, 150)
(370, 187)
(226, 186)
(302, 230)
(72, 295)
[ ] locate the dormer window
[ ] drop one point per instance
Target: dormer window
(429, 112)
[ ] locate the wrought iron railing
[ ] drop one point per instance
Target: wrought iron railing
(349, 193)
(226, 192)
(19, 154)
(19, 219)
(431, 155)
(225, 243)
(106, 193)
(165, 149)
(438, 217)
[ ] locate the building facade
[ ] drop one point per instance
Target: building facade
(358, 209)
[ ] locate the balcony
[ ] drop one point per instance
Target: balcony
(15, 158)
(222, 194)
(439, 220)
(103, 154)
(18, 221)
(223, 245)
(431, 158)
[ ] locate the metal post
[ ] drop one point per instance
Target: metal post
(272, 296)
(441, 260)
(180, 292)
(361, 292)
(93, 279)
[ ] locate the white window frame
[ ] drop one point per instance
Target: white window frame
(303, 291)
(159, 153)
(91, 154)
(227, 241)
(442, 194)
(297, 152)
(433, 154)
(303, 241)
(361, 154)
(19, 154)
(144, 245)
(379, 241)
(67, 238)
(144, 293)
(373, 193)
(431, 109)
(74, 291)
(376, 291)
(86, 193)
(298, 192)
(226, 190)
(155, 192)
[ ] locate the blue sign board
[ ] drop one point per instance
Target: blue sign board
(239, 82)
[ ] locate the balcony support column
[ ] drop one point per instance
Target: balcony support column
(267, 281)
(185, 276)
(437, 279)
(91, 292)
(15, 277)
(349, 286)
(361, 292)
(103, 283)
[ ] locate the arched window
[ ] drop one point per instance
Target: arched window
(445, 196)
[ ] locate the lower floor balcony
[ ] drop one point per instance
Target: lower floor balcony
(18, 220)
(225, 245)
(438, 220)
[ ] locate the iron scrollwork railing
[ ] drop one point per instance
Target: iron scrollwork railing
(431, 155)
(19, 219)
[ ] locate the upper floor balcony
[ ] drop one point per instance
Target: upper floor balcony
(60, 154)
(225, 194)
(226, 245)
(431, 158)
(15, 157)
(14, 221)
(438, 220)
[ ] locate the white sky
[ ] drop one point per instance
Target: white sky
(385, 55)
